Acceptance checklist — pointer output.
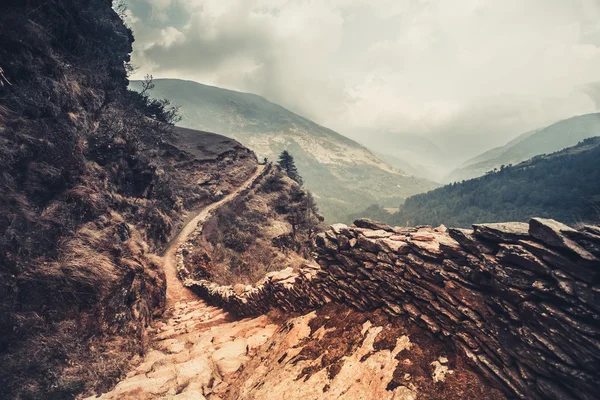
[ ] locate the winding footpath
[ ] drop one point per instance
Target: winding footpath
(199, 352)
(196, 349)
(176, 292)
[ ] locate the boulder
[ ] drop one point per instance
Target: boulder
(552, 233)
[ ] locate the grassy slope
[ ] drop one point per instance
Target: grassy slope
(252, 235)
(90, 189)
(342, 174)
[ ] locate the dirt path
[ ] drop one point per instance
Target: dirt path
(194, 353)
(199, 352)
(175, 289)
(195, 349)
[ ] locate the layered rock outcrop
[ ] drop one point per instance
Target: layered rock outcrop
(521, 301)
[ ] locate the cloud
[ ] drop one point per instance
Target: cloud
(278, 52)
(483, 70)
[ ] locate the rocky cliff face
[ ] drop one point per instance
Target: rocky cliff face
(93, 185)
(520, 301)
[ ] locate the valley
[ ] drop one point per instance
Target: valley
(556, 137)
(340, 173)
(561, 185)
(167, 239)
(414, 154)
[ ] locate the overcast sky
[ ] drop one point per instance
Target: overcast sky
(469, 73)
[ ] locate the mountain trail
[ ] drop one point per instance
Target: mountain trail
(194, 348)
(176, 292)
(199, 352)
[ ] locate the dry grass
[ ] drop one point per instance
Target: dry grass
(103, 290)
(76, 281)
(248, 238)
(90, 186)
(5, 114)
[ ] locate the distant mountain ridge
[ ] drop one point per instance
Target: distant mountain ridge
(563, 185)
(555, 137)
(343, 175)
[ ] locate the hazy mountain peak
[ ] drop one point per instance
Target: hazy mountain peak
(555, 137)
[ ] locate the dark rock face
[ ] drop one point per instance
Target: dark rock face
(520, 301)
(555, 234)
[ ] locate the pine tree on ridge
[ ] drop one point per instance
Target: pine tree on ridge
(286, 162)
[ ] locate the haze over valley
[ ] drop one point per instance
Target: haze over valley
(430, 101)
(300, 199)
(448, 73)
(346, 177)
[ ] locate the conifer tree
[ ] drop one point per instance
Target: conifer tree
(286, 162)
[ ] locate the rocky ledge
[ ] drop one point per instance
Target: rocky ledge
(520, 301)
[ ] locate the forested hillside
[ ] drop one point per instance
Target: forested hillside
(558, 136)
(564, 185)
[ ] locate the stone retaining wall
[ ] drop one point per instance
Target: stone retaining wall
(521, 301)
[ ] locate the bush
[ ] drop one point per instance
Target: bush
(159, 110)
(273, 183)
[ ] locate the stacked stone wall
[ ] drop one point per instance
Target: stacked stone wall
(521, 301)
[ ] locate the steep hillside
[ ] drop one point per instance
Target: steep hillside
(547, 140)
(564, 185)
(94, 182)
(397, 162)
(342, 175)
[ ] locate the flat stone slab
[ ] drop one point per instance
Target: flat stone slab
(503, 232)
(552, 233)
(370, 224)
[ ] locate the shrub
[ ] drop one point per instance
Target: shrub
(273, 183)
